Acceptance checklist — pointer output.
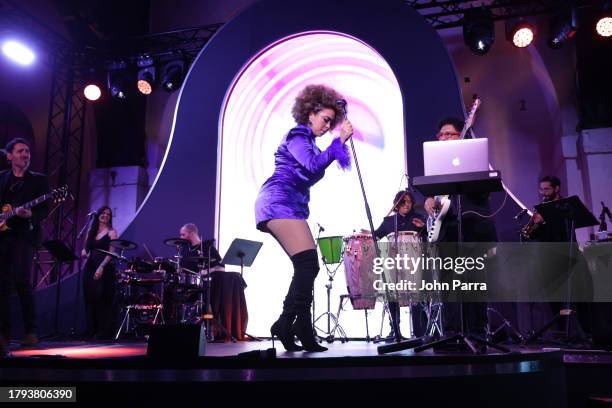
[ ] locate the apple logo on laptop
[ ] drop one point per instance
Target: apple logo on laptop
(456, 162)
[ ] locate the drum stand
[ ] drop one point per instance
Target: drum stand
(512, 332)
(330, 316)
(207, 316)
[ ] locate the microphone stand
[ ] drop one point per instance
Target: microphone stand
(79, 273)
(342, 104)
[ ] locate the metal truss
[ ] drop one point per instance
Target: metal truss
(449, 13)
(64, 154)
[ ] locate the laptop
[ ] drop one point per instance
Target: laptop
(456, 156)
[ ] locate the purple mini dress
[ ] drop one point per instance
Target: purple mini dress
(299, 164)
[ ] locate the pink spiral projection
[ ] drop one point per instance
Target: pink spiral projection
(257, 114)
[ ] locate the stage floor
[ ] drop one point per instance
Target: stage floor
(80, 349)
(352, 371)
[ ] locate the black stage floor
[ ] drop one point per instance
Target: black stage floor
(350, 372)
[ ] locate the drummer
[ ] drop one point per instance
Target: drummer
(404, 218)
(197, 249)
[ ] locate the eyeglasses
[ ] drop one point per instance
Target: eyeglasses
(446, 135)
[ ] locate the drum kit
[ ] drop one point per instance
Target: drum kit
(357, 253)
(160, 289)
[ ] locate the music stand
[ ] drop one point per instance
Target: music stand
(453, 184)
(242, 252)
(575, 215)
(62, 254)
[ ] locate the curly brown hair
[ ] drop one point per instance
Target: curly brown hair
(315, 98)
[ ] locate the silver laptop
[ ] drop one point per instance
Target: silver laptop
(456, 156)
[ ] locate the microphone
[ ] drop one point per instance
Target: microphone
(342, 104)
(92, 214)
(321, 229)
(408, 185)
(520, 214)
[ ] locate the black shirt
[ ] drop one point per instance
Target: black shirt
(191, 251)
(475, 228)
(404, 223)
(18, 191)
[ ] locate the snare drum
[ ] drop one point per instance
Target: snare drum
(358, 257)
(408, 248)
(188, 280)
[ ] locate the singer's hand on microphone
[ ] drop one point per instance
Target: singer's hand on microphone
(346, 131)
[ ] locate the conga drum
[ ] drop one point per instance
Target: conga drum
(408, 247)
(358, 257)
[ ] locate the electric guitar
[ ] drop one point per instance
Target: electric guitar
(442, 203)
(57, 195)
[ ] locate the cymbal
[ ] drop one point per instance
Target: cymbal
(123, 244)
(176, 242)
(111, 254)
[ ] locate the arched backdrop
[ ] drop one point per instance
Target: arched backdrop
(186, 188)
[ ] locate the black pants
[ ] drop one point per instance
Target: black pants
(16, 255)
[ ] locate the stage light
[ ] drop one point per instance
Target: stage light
(146, 75)
(563, 26)
(119, 80)
(92, 92)
(171, 75)
(520, 33)
(478, 30)
(18, 52)
(603, 26)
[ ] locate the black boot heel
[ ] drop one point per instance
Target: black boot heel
(282, 330)
(302, 328)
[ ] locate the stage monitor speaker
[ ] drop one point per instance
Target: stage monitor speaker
(176, 341)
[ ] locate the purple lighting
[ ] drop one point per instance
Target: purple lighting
(18, 52)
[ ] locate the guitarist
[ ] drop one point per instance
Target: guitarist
(475, 229)
(18, 185)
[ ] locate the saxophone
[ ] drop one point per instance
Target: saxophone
(531, 226)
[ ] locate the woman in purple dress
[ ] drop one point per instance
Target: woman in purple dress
(281, 208)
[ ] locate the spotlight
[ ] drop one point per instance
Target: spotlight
(562, 27)
(478, 30)
(18, 52)
(146, 75)
(92, 92)
(521, 33)
(171, 75)
(603, 26)
(119, 80)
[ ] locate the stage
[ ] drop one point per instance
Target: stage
(349, 372)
